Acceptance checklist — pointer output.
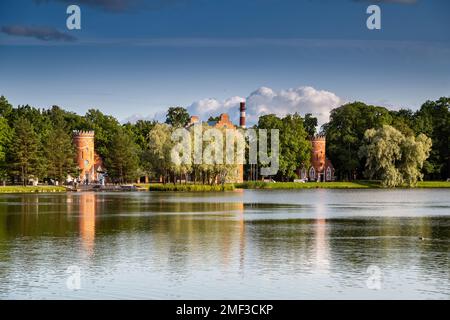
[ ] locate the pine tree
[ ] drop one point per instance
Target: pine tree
(25, 150)
(59, 152)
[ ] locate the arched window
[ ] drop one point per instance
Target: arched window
(312, 173)
(328, 174)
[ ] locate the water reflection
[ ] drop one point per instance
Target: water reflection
(87, 208)
(252, 244)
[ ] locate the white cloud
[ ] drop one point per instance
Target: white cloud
(262, 101)
(212, 107)
(266, 101)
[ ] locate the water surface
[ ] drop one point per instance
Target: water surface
(252, 244)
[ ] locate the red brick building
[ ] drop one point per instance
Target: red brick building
(88, 161)
(321, 168)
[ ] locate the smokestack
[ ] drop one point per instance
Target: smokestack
(242, 116)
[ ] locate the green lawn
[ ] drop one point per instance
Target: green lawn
(433, 184)
(332, 185)
(309, 185)
(31, 189)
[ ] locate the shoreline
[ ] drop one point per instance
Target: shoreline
(258, 185)
(32, 189)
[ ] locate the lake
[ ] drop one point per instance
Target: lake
(246, 244)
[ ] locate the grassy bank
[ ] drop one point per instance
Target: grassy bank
(31, 189)
(190, 187)
(433, 184)
(308, 185)
(332, 185)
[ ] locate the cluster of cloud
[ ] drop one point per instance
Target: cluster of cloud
(265, 100)
(39, 32)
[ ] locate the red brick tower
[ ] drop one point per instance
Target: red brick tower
(318, 159)
(85, 158)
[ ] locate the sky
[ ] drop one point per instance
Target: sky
(135, 58)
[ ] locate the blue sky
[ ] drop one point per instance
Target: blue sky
(136, 58)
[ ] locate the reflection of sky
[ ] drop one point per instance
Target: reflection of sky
(272, 251)
(147, 59)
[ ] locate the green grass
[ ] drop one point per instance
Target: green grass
(31, 189)
(189, 187)
(433, 184)
(308, 185)
(362, 184)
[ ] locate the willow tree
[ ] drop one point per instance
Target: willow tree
(392, 157)
(159, 152)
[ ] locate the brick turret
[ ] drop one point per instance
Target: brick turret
(85, 154)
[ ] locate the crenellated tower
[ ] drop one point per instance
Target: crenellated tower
(318, 157)
(85, 157)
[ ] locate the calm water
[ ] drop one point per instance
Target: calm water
(301, 244)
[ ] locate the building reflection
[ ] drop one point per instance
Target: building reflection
(321, 245)
(87, 206)
(229, 238)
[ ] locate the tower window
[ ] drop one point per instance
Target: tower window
(328, 174)
(312, 173)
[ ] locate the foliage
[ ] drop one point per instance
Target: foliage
(37, 142)
(59, 152)
(158, 154)
(295, 147)
(122, 158)
(394, 158)
(433, 120)
(310, 124)
(177, 117)
(105, 128)
(345, 134)
(25, 148)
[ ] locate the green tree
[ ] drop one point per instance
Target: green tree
(25, 150)
(433, 120)
(392, 157)
(59, 152)
(177, 117)
(5, 140)
(345, 134)
(295, 147)
(310, 124)
(140, 131)
(122, 159)
(105, 128)
(213, 119)
(5, 107)
(158, 154)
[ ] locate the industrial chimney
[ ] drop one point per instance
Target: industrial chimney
(242, 117)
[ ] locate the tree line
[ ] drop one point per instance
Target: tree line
(346, 135)
(37, 143)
